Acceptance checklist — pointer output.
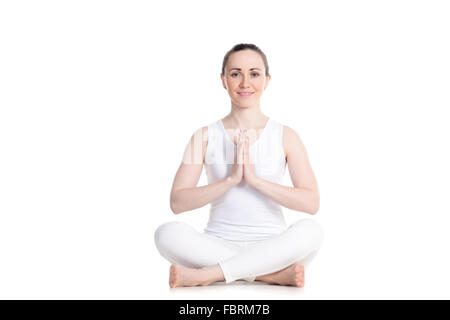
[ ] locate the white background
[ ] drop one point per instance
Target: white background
(98, 100)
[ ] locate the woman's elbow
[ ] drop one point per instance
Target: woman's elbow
(316, 205)
(174, 206)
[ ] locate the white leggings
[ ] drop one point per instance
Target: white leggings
(180, 243)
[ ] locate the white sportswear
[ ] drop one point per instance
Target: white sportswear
(244, 213)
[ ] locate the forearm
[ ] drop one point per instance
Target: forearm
(193, 198)
(304, 200)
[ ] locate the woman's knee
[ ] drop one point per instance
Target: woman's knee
(169, 232)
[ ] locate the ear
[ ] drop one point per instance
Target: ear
(267, 81)
(223, 81)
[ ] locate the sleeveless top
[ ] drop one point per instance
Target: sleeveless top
(243, 213)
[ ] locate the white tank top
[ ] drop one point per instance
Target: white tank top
(244, 213)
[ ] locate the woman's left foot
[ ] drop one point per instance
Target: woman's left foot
(294, 275)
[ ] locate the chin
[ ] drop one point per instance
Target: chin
(247, 106)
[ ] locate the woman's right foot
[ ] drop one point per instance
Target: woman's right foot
(294, 275)
(181, 276)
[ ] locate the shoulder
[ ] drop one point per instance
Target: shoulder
(204, 133)
(195, 150)
(289, 132)
(200, 132)
(201, 135)
(291, 140)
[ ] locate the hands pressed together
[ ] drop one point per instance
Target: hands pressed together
(243, 168)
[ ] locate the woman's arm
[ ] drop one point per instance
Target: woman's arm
(304, 195)
(185, 194)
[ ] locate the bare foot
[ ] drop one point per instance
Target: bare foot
(294, 275)
(181, 276)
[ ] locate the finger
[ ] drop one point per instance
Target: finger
(241, 140)
(248, 155)
(239, 149)
(245, 137)
(245, 150)
(236, 148)
(236, 137)
(242, 151)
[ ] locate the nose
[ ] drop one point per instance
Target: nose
(244, 81)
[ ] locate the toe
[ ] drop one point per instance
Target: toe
(298, 267)
(299, 283)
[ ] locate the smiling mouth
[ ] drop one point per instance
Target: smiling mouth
(245, 94)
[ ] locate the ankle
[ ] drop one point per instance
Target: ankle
(211, 274)
(268, 278)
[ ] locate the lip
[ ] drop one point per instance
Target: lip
(245, 94)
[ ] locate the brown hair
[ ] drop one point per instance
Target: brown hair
(245, 46)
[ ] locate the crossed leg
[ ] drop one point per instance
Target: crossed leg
(201, 259)
(181, 276)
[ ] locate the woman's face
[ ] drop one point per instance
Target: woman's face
(245, 78)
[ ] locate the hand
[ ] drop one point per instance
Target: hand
(237, 172)
(249, 167)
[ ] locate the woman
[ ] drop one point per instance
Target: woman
(245, 155)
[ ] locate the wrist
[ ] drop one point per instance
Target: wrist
(230, 181)
(254, 182)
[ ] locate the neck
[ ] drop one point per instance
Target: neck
(246, 118)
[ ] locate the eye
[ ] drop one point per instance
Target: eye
(256, 74)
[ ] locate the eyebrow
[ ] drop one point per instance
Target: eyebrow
(241, 69)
